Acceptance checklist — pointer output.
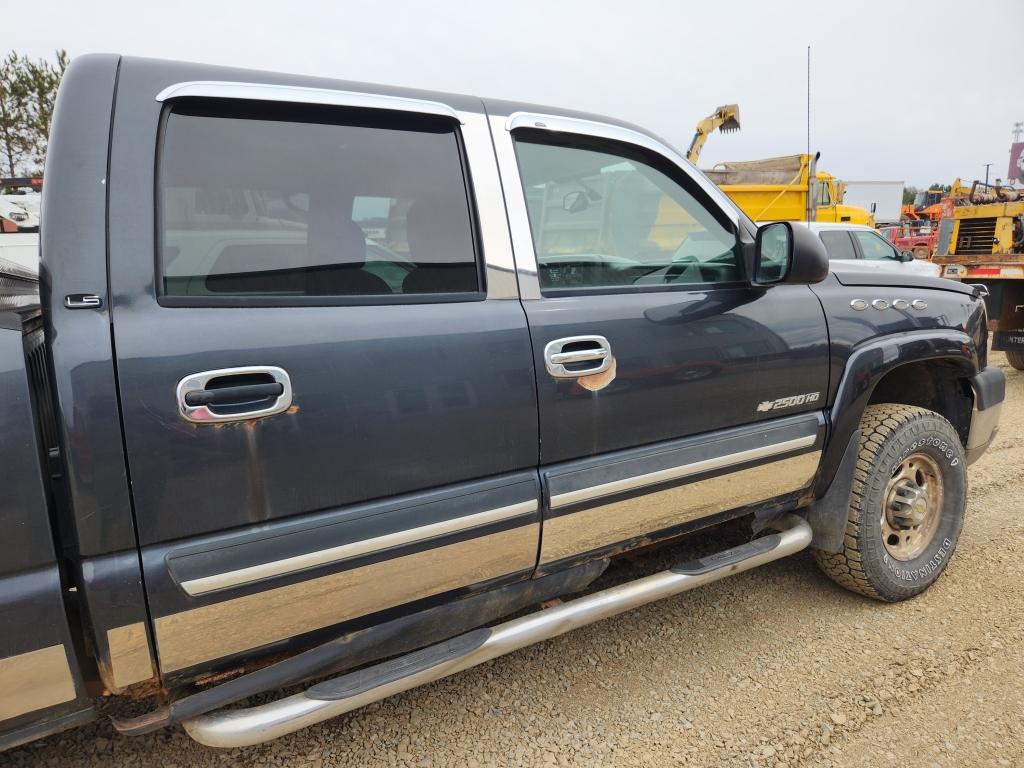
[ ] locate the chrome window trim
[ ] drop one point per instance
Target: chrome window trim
(224, 89)
(332, 555)
(556, 123)
(681, 471)
(484, 182)
(522, 239)
(515, 204)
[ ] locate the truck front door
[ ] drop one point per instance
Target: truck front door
(327, 392)
(671, 391)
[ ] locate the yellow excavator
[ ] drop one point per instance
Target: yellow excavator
(725, 119)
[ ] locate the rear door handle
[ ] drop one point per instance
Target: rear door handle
(234, 394)
(576, 356)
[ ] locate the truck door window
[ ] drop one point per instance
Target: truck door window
(604, 216)
(838, 244)
(824, 196)
(874, 247)
(277, 201)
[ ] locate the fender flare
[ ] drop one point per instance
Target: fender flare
(865, 368)
(868, 365)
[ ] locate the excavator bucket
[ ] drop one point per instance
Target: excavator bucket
(730, 117)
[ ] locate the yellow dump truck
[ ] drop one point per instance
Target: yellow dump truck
(786, 188)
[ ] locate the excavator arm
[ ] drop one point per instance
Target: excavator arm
(726, 119)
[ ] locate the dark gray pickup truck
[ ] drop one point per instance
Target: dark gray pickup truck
(323, 382)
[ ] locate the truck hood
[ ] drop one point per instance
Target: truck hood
(853, 277)
(854, 215)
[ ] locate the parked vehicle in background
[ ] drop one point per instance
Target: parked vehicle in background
(21, 217)
(786, 189)
(325, 373)
(884, 199)
(30, 201)
(21, 248)
(918, 237)
(852, 246)
(982, 241)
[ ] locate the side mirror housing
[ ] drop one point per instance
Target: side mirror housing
(906, 256)
(790, 254)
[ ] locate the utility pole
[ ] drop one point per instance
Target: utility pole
(987, 166)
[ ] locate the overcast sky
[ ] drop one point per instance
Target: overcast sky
(919, 92)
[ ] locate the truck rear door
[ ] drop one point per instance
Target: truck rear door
(325, 374)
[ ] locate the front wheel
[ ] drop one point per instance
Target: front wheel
(1015, 358)
(906, 506)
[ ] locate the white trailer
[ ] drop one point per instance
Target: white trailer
(883, 198)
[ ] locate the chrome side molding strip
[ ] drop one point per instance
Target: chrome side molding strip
(287, 565)
(244, 727)
(684, 470)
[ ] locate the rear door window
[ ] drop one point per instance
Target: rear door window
(838, 244)
(281, 202)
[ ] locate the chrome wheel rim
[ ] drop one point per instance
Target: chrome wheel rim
(912, 507)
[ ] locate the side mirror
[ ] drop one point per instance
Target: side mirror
(874, 207)
(788, 253)
(906, 256)
(575, 202)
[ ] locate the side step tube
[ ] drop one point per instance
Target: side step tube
(244, 727)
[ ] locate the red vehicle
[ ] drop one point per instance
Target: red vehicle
(909, 236)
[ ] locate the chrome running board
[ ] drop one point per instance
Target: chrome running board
(323, 701)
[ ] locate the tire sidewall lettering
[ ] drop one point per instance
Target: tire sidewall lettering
(895, 577)
(922, 571)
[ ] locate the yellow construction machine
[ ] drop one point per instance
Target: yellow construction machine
(725, 119)
(981, 240)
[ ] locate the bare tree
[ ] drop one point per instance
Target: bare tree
(28, 89)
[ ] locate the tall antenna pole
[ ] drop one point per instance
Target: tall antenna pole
(812, 187)
(808, 99)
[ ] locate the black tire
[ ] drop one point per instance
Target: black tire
(891, 437)
(1015, 358)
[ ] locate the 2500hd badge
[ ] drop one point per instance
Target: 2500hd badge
(788, 402)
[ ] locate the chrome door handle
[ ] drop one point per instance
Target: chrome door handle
(234, 394)
(576, 356)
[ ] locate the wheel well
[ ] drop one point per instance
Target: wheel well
(938, 386)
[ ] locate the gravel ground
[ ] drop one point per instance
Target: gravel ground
(776, 667)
